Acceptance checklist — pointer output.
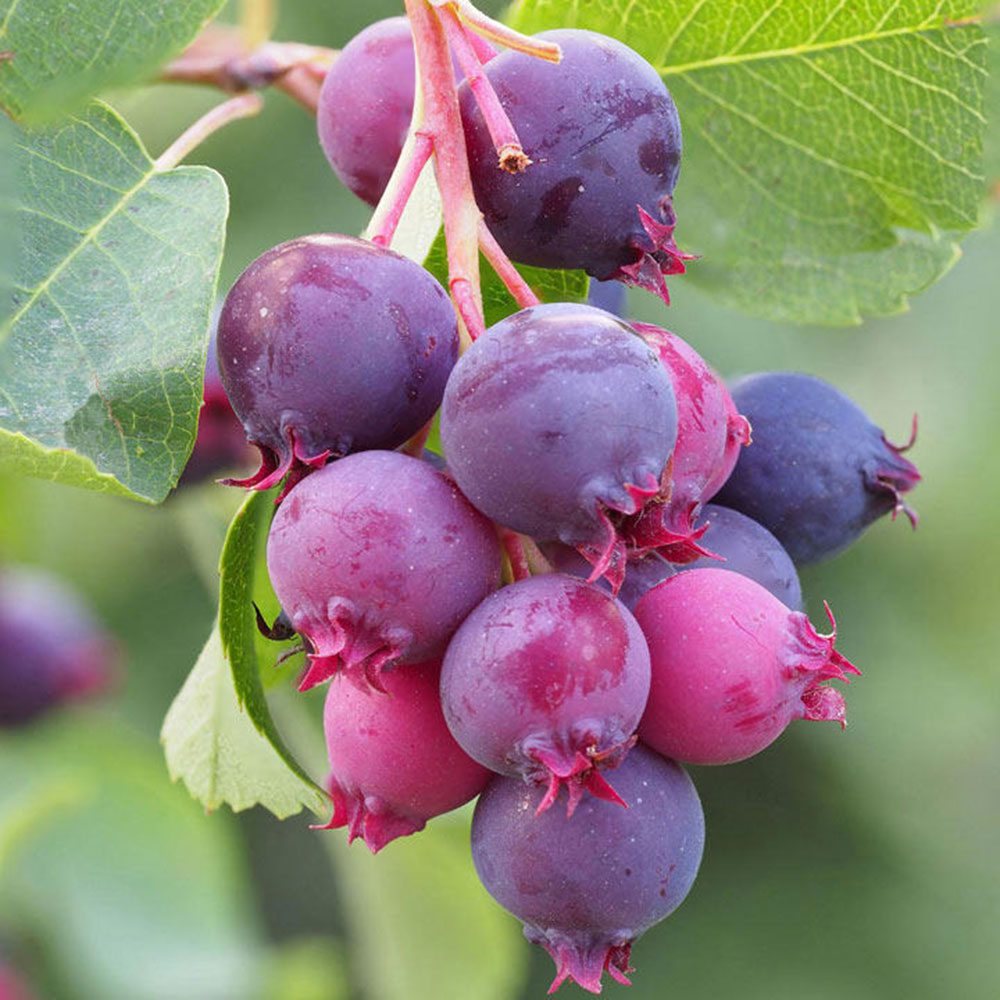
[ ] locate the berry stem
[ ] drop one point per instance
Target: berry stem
(499, 33)
(508, 274)
(243, 106)
(513, 547)
(510, 153)
(443, 123)
(416, 152)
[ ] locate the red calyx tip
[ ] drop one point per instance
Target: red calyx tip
(584, 962)
(657, 257)
(274, 466)
(367, 817)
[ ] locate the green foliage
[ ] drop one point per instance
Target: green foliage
(62, 53)
(549, 286)
(219, 736)
(101, 360)
(129, 892)
(832, 151)
(421, 925)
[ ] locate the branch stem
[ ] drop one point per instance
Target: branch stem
(416, 152)
(497, 32)
(244, 106)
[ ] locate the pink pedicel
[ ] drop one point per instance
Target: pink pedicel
(731, 667)
(393, 763)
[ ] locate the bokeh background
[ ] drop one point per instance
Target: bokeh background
(860, 864)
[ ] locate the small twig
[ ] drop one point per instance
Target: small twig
(243, 106)
(497, 32)
(510, 152)
(512, 546)
(508, 274)
(415, 446)
(257, 18)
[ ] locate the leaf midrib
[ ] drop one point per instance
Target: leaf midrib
(806, 48)
(88, 237)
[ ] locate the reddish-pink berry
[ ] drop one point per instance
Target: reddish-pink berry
(393, 763)
(732, 666)
(710, 433)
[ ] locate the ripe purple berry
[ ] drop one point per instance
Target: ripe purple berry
(586, 888)
(330, 344)
(604, 139)
(52, 650)
(376, 559)
(394, 764)
(732, 666)
(818, 471)
(555, 422)
(546, 680)
(365, 106)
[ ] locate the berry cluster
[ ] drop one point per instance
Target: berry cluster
(553, 614)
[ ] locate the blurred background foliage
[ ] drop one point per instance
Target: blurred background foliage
(858, 864)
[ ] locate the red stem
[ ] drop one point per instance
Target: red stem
(443, 123)
(510, 152)
(515, 553)
(508, 274)
(392, 204)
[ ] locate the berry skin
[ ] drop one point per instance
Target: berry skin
(52, 649)
(747, 548)
(604, 139)
(330, 344)
(710, 435)
(818, 471)
(365, 106)
(376, 559)
(586, 888)
(546, 680)
(558, 419)
(732, 666)
(394, 764)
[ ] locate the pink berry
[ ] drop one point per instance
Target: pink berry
(546, 680)
(376, 559)
(393, 763)
(732, 666)
(710, 434)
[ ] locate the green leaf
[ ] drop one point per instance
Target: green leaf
(549, 286)
(832, 150)
(219, 735)
(132, 894)
(8, 215)
(101, 360)
(62, 53)
(421, 926)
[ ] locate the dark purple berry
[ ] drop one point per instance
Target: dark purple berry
(818, 471)
(557, 420)
(546, 680)
(376, 559)
(330, 344)
(604, 139)
(587, 887)
(747, 548)
(52, 650)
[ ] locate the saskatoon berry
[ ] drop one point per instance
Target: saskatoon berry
(546, 680)
(607, 295)
(586, 888)
(555, 418)
(376, 559)
(330, 344)
(394, 764)
(747, 548)
(52, 649)
(710, 434)
(604, 138)
(818, 471)
(732, 666)
(365, 106)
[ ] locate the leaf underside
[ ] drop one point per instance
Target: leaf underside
(103, 350)
(832, 151)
